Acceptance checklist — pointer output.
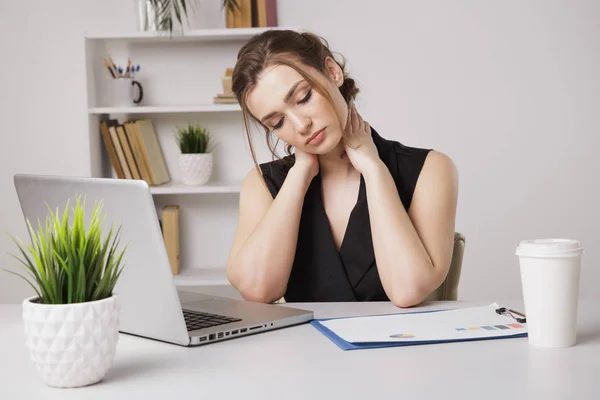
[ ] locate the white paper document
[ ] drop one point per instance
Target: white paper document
(464, 323)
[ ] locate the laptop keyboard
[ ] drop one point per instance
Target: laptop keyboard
(199, 320)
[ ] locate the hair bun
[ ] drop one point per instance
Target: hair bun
(349, 89)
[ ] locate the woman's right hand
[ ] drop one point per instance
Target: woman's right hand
(307, 163)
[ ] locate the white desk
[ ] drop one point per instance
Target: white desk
(300, 363)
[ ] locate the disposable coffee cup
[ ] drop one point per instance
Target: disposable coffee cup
(550, 270)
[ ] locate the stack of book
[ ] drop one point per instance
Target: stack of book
(134, 150)
(135, 153)
(227, 97)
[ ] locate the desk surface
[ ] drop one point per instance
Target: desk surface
(300, 363)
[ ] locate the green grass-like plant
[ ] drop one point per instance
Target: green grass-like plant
(167, 9)
(67, 264)
(193, 139)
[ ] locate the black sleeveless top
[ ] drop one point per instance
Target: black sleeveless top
(321, 273)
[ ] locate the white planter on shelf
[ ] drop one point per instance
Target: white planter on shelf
(72, 345)
(196, 169)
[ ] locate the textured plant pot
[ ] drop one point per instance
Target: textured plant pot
(72, 345)
(196, 169)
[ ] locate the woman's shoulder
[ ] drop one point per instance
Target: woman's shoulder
(400, 157)
(274, 172)
(406, 163)
(415, 159)
(279, 166)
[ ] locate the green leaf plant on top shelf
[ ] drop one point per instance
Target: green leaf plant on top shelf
(73, 272)
(196, 158)
(163, 12)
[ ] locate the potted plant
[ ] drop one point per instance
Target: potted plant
(158, 14)
(196, 159)
(72, 323)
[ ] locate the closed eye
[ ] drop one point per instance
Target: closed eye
(278, 125)
(305, 99)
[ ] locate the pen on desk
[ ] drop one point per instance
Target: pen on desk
(509, 312)
(516, 312)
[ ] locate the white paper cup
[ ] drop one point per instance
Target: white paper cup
(550, 270)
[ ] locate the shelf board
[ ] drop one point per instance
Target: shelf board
(201, 277)
(197, 108)
(188, 35)
(210, 187)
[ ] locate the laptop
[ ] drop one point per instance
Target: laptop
(151, 305)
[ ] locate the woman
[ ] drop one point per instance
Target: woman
(306, 231)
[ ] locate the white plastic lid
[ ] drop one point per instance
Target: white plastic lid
(549, 248)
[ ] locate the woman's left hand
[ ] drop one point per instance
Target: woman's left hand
(358, 142)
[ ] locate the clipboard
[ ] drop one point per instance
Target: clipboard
(431, 319)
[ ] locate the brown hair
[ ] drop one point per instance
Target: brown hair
(285, 47)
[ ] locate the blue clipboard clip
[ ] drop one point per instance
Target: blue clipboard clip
(521, 318)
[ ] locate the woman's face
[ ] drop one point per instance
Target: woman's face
(300, 116)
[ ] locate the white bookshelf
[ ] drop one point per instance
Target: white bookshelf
(210, 187)
(180, 75)
(192, 108)
(205, 35)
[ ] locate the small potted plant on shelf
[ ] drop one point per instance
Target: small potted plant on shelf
(158, 14)
(196, 158)
(72, 323)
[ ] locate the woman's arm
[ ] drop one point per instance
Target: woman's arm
(264, 247)
(413, 250)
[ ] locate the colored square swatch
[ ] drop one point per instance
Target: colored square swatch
(402, 336)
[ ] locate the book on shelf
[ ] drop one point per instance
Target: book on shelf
(110, 148)
(225, 99)
(264, 13)
(134, 150)
(128, 151)
(252, 13)
(152, 152)
(170, 231)
(240, 16)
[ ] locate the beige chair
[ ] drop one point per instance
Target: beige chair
(448, 290)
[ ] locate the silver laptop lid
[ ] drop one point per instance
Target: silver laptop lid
(149, 297)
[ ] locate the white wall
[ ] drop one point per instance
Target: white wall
(509, 90)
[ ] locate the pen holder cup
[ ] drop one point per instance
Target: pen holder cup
(125, 92)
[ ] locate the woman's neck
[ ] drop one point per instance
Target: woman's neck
(336, 163)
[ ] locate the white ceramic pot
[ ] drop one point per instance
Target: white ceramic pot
(196, 169)
(72, 345)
